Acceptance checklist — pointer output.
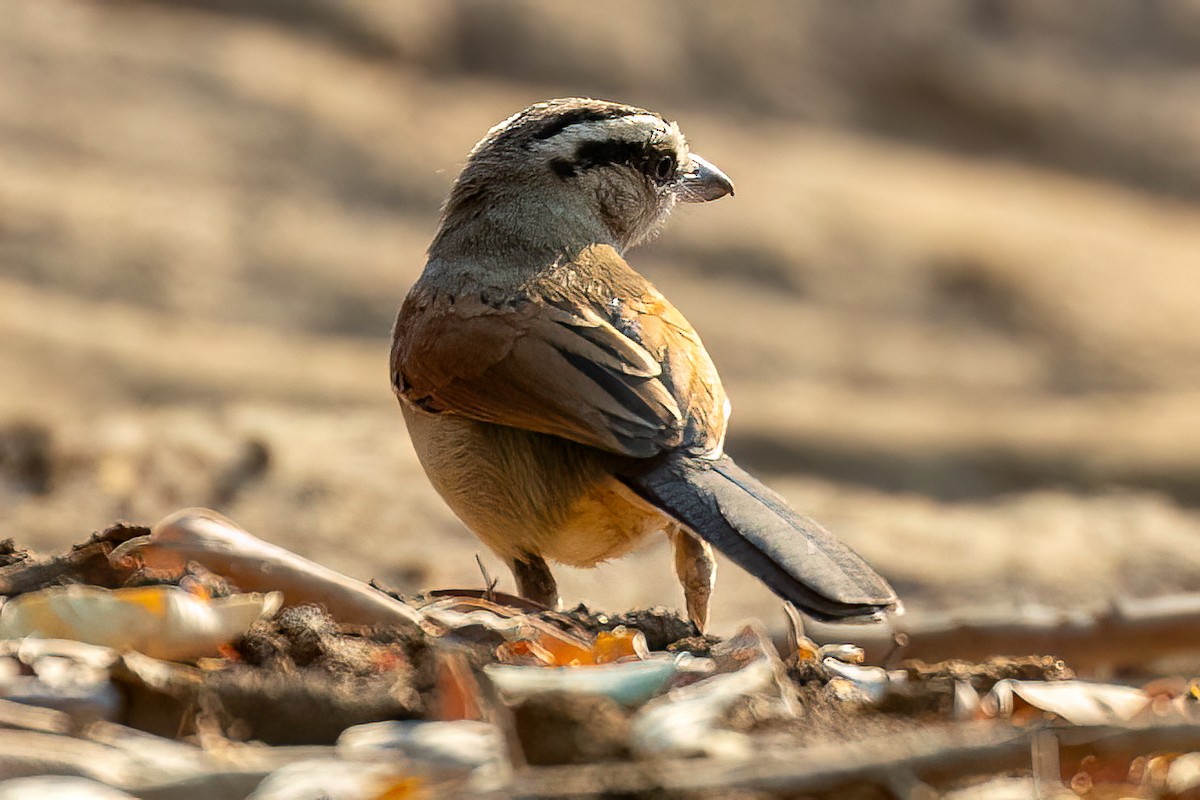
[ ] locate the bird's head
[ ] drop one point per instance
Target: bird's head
(577, 165)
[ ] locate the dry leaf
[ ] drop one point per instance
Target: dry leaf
(1078, 702)
(197, 534)
(164, 622)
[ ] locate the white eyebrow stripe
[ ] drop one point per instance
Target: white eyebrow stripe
(635, 127)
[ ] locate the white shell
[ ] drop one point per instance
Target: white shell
(164, 622)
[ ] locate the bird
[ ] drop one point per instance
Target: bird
(563, 408)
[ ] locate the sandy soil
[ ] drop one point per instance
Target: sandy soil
(954, 300)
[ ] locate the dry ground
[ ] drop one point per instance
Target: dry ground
(954, 301)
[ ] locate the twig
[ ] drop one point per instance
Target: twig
(931, 755)
(34, 718)
(489, 592)
(1046, 760)
(147, 765)
(1126, 632)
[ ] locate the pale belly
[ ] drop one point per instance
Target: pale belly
(528, 493)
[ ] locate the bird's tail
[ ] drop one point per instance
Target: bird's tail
(793, 555)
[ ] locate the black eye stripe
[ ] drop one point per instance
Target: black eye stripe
(643, 156)
(606, 152)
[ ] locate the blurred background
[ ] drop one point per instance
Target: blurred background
(955, 300)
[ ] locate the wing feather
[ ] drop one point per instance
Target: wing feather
(626, 375)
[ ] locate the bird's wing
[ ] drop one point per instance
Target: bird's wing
(619, 369)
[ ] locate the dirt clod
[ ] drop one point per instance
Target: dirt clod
(307, 707)
(984, 676)
(661, 626)
(558, 728)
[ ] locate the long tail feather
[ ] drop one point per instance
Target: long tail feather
(793, 555)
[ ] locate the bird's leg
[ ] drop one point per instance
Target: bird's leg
(697, 572)
(534, 581)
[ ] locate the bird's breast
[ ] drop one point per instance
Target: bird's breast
(522, 492)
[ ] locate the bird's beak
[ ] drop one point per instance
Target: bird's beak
(704, 182)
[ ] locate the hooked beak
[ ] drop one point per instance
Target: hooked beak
(704, 182)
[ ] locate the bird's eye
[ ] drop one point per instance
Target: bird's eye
(664, 167)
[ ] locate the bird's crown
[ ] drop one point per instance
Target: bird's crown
(577, 134)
